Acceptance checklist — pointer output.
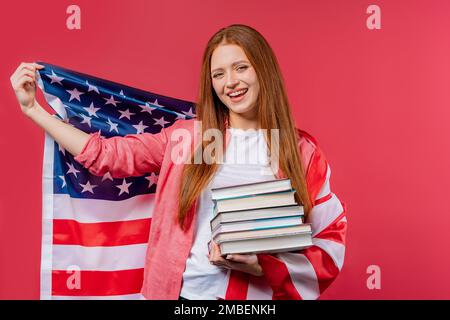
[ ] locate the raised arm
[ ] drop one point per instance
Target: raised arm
(23, 81)
(132, 155)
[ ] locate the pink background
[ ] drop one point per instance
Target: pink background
(377, 100)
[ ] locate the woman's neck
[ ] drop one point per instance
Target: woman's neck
(243, 121)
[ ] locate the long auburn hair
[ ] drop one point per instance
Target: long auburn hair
(273, 113)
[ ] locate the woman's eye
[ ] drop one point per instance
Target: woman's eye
(216, 75)
(242, 67)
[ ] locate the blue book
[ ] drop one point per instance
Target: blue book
(257, 224)
(256, 214)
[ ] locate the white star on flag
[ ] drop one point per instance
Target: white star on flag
(153, 179)
(161, 122)
(75, 94)
(61, 149)
(121, 93)
(92, 110)
(55, 78)
(180, 116)
(72, 169)
(124, 187)
(87, 187)
(111, 101)
(147, 108)
(107, 176)
(140, 127)
(189, 113)
(100, 131)
(113, 126)
(91, 87)
(157, 104)
(86, 119)
(125, 114)
(63, 178)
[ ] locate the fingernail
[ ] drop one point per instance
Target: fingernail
(229, 256)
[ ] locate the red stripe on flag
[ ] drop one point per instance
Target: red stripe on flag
(316, 173)
(337, 230)
(279, 278)
(323, 199)
(237, 286)
(324, 266)
(96, 283)
(117, 233)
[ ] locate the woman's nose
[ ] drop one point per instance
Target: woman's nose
(232, 82)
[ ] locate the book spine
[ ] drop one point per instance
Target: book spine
(255, 195)
(257, 220)
(217, 231)
(218, 241)
(251, 184)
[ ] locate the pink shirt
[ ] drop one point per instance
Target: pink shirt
(169, 246)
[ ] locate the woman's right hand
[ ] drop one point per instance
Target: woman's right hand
(23, 81)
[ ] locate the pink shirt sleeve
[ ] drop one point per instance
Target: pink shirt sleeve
(131, 155)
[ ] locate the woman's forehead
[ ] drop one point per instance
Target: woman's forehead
(225, 55)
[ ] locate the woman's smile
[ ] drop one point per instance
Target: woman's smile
(237, 95)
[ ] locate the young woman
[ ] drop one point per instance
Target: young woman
(241, 94)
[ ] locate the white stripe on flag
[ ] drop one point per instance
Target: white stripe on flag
(259, 289)
(325, 190)
(93, 210)
(302, 274)
(334, 249)
(322, 215)
(99, 258)
(47, 220)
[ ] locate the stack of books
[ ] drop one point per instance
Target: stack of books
(261, 217)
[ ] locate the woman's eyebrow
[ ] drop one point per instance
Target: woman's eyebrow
(233, 64)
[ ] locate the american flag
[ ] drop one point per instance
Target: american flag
(95, 229)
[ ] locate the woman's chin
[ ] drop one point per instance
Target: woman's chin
(241, 110)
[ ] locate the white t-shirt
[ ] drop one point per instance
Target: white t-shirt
(245, 160)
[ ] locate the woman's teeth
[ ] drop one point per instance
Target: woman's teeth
(237, 93)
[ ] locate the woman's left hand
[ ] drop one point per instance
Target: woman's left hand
(241, 262)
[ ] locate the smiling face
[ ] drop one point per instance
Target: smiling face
(234, 80)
